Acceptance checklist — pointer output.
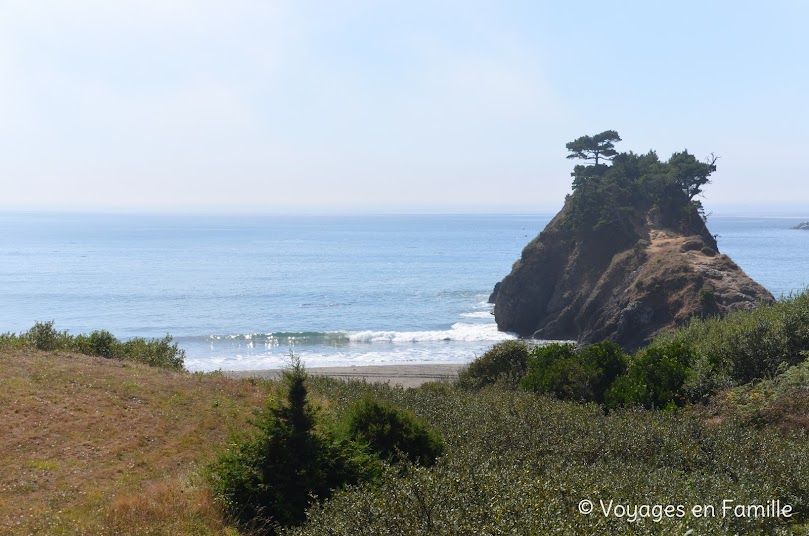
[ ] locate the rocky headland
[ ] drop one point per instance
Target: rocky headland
(804, 226)
(627, 257)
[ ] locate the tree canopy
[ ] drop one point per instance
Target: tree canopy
(690, 174)
(594, 147)
(605, 195)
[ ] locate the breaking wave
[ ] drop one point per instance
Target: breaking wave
(460, 332)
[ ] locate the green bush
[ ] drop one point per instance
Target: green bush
(583, 375)
(654, 378)
(154, 352)
(99, 343)
(744, 346)
(795, 377)
(268, 480)
(690, 364)
(516, 463)
(43, 336)
(782, 400)
(12, 341)
(504, 364)
(103, 344)
(553, 369)
(392, 432)
(707, 299)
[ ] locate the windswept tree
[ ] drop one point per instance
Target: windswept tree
(604, 196)
(690, 175)
(593, 148)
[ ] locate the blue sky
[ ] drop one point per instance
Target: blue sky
(388, 106)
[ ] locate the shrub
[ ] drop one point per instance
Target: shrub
(43, 336)
(11, 341)
(553, 369)
(795, 377)
(782, 401)
(516, 463)
(154, 352)
(744, 346)
(391, 432)
(103, 343)
(267, 481)
(654, 378)
(585, 375)
(504, 364)
(707, 299)
(99, 343)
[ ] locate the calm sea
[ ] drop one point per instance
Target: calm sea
(240, 292)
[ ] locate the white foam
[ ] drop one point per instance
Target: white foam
(477, 314)
(461, 331)
(392, 355)
(461, 343)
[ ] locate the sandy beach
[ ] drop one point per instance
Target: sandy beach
(403, 375)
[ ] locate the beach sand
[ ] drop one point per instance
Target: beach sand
(404, 375)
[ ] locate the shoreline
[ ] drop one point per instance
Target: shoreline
(401, 375)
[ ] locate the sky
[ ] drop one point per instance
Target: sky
(375, 106)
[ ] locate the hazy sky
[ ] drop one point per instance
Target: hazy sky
(378, 106)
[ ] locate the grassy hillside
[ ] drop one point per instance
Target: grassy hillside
(99, 446)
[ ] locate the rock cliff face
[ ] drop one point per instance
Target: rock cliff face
(623, 286)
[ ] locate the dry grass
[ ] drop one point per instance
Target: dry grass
(170, 506)
(95, 446)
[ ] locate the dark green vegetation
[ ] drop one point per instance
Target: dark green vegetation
(708, 355)
(654, 380)
(43, 336)
(528, 432)
(268, 479)
(594, 147)
(688, 365)
(525, 434)
(605, 197)
(583, 375)
(511, 461)
(518, 463)
(394, 434)
(504, 364)
(744, 346)
(522, 449)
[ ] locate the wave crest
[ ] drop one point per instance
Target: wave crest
(461, 331)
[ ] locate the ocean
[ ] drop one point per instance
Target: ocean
(241, 292)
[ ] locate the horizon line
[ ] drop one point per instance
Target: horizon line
(796, 210)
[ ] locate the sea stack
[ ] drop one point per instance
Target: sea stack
(627, 257)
